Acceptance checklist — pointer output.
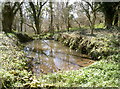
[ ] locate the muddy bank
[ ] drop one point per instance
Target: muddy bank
(94, 46)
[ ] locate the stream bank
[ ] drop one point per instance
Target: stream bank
(95, 46)
(104, 46)
(104, 73)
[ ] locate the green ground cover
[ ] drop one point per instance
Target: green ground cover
(104, 73)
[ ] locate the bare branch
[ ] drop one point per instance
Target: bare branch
(15, 4)
(19, 6)
(30, 26)
(33, 9)
(41, 5)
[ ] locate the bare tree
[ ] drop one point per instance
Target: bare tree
(36, 12)
(90, 9)
(110, 11)
(58, 15)
(8, 13)
(21, 19)
(51, 28)
(67, 15)
(119, 15)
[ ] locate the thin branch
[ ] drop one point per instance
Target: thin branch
(19, 6)
(33, 9)
(15, 4)
(77, 23)
(30, 26)
(41, 5)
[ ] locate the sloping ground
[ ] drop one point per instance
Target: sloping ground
(99, 74)
(101, 45)
(13, 68)
(23, 37)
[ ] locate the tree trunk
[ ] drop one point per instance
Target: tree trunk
(116, 20)
(51, 17)
(93, 22)
(119, 17)
(92, 28)
(21, 20)
(108, 21)
(58, 27)
(37, 26)
(8, 14)
(109, 12)
(79, 25)
(8, 18)
(68, 24)
(36, 14)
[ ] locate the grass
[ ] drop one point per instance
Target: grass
(101, 25)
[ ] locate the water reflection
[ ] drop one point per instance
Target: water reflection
(51, 56)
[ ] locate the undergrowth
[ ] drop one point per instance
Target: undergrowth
(103, 73)
(13, 69)
(99, 74)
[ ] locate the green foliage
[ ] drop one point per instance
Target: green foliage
(97, 47)
(74, 29)
(99, 74)
(114, 58)
(103, 73)
(101, 25)
(48, 35)
(43, 36)
(6, 78)
(12, 63)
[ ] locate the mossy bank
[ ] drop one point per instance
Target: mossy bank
(96, 46)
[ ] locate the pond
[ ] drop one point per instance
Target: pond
(49, 56)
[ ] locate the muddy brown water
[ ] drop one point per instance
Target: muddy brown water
(49, 56)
